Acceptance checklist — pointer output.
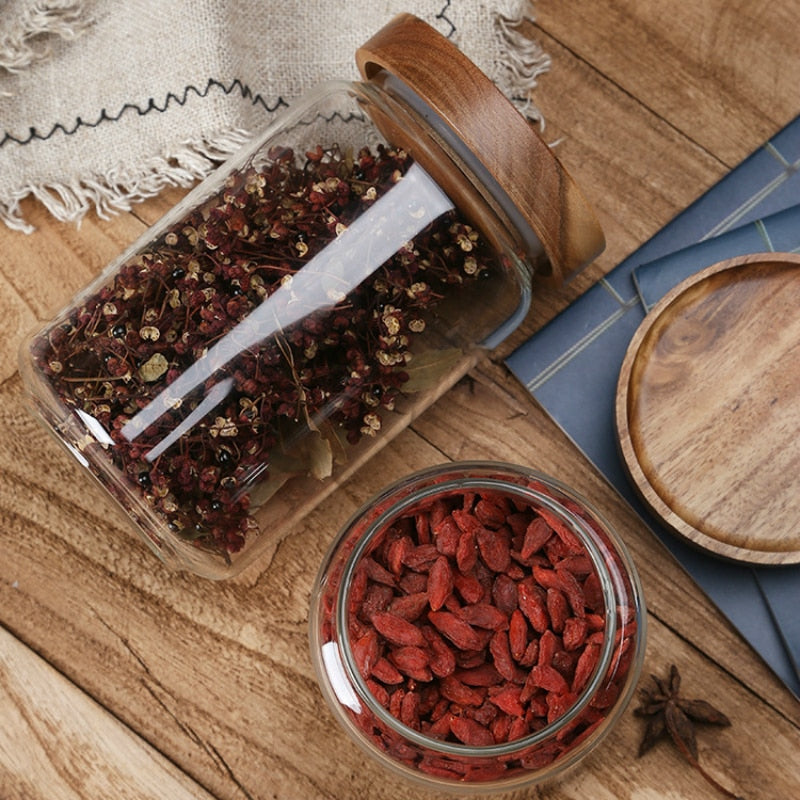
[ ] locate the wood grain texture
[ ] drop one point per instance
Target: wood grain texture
(708, 409)
(525, 169)
(721, 72)
(647, 104)
(73, 748)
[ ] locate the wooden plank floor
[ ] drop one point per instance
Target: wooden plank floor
(120, 679)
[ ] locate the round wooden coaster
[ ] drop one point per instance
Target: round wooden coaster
(708, 409)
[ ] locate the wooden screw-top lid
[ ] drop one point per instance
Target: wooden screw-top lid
(520, 165)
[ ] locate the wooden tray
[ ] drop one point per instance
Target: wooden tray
(708, 409)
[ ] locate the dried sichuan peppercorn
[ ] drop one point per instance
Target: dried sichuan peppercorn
(516, 662)
(309, 298)
(191, 377)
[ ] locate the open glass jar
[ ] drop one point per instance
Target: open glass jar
(477, 627)
(307, 300)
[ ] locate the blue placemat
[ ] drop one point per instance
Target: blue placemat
(571, 367)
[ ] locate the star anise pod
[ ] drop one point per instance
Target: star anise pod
(667, 712)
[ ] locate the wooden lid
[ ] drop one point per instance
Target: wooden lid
(519, 163)
(708, 409)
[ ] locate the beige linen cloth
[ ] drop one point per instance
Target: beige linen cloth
(103, 103)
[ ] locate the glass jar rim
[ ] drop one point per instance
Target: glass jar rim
(414, 497)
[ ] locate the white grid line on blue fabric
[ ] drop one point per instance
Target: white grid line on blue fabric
(736, 216)
(764, 234)
(578, 347)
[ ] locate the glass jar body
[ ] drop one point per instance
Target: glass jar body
(514, 656)
(260, 342)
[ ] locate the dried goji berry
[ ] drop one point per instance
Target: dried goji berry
(574, 635)
(476, 619)
(409, 606)
(467, 522)
(446, 536)
(517, 634)
(532, 604)
(587, 661)
(440, 582)
(385, 672)
(379, 692)
(484, 615)
(494, 547)
(376, 572)
(562, 531)
(471, 732)
(442, 660)
(469, 587)
(557, 609)
(504, 593)
(377, 599)
(501, 655)
(421, 557)
(467, 552)
(484, 675)
(409, 710)
(508, 699)
(397, 552)
(459, 693)
(536, 535)
(412, 661)
(490, 514)
(460, 633)
(397, 630)
(548, 644)
(366, 651)
(549, 679)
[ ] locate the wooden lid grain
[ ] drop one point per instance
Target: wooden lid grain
(500, 138)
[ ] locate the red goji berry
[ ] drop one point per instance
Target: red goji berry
(385, 672)
(460, 633)
(536, 536)
(587, 661)
(484, 615)
(517, 634)
(575, 630)
(409, 606)
(412, 661)
(484, 675)
(467, 552)
(549, 679)
(366, 651)
(469, 587)
(440, 582)
(501, 656)
(459, 693)
(409, 710)
(397, 630)
(508, 699)
(421, 557)
(532, 604)
(494, 547)
(397, 552)
(471, 732)
(446, 536)
(490, 514)
(504, 594)
(557, 609)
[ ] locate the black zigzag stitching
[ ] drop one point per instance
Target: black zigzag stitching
(152, 105)
(171, 97)
(443, 15)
